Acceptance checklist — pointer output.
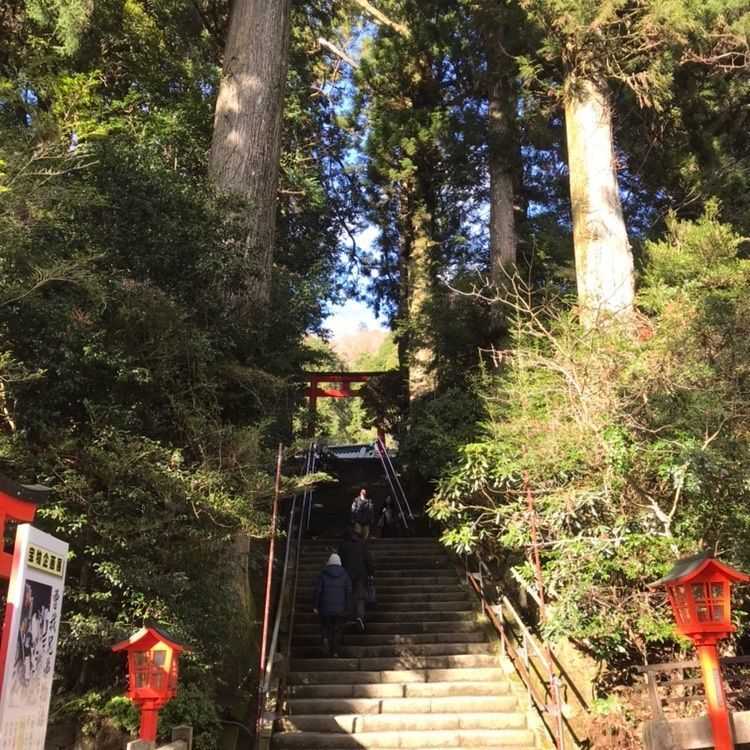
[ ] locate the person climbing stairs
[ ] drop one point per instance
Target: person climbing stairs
(424, 674)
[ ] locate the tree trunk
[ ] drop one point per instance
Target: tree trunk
(244, 161)
(416, 290)
(604, 262)
(422, 376)
(502, 159)
(404, 253)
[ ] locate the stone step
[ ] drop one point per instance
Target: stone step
(422, 675)
(339, 677)
(423, 722)
(383, 614)
(452, 594)
(387, 604)
(401, 573)
(393, 588)
(405, 661)
(467, 688)
(446, 704)
(411, 545)
(407, 576)
(397, 649)
(382, 557)
(481, 738)
(398, 546)
(389, 639)
(398, 627)
(432, 584)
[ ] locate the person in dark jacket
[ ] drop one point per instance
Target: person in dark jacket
(331, 598)
(362, 513)
(388, 520)
(357, 562)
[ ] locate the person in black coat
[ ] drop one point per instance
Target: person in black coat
(388, 520)
(333, 592)
(362, 513)
(357, 562)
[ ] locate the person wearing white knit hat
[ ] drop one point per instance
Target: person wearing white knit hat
(333, 591)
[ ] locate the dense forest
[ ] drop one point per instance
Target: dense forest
(557, 195)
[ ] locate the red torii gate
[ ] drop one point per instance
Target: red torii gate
(319, 387)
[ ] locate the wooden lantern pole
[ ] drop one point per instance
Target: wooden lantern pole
(713, 685)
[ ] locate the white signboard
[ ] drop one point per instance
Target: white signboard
(32, 624)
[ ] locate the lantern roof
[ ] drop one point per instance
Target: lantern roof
(32, 494)
(147, 637)
(689, 568)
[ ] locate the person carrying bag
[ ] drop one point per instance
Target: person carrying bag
(370, 595)
(362, 514)
(357, 561)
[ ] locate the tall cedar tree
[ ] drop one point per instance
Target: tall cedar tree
(126, 382)
(245, 148)
(418, 93)
(594, 45)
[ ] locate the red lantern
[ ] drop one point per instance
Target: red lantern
(699, 590)
(153, 662)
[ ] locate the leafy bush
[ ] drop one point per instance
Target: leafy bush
(194, 707)
(634, 436)
(437, 428)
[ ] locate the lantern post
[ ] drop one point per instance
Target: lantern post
(699, 592)
(153, 666)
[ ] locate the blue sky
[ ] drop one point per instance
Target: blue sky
(345, 319)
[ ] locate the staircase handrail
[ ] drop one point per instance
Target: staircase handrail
(397, 489)
(266, 676)
(394, 492)
(546, 681)
(307, 499)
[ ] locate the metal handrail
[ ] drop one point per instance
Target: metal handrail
(307, 498)
(392, 476)
(297, 507)
(312, 459)
(546, 683)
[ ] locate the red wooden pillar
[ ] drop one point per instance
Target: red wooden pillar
(713, 685)
(313, 407)
(17, 503)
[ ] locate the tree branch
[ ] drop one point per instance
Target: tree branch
(382, 19)
(338, 52)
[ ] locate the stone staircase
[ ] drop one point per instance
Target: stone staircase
(423, 674)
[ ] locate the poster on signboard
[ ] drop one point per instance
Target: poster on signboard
(29, 643)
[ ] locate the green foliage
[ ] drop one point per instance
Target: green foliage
(385, 401)
(385, 358)
(122, 713)
(437, 428)
(126, 384)
(66, 18)
(632, 436)
(193, 708)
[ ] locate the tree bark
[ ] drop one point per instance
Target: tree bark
(422, 376)
(244, 161)
(502, 149)
(604, 261)
(416, 291)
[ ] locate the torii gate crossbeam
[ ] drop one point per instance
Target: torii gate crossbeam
(319, 387)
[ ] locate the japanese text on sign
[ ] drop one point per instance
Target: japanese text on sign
(43, 559)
